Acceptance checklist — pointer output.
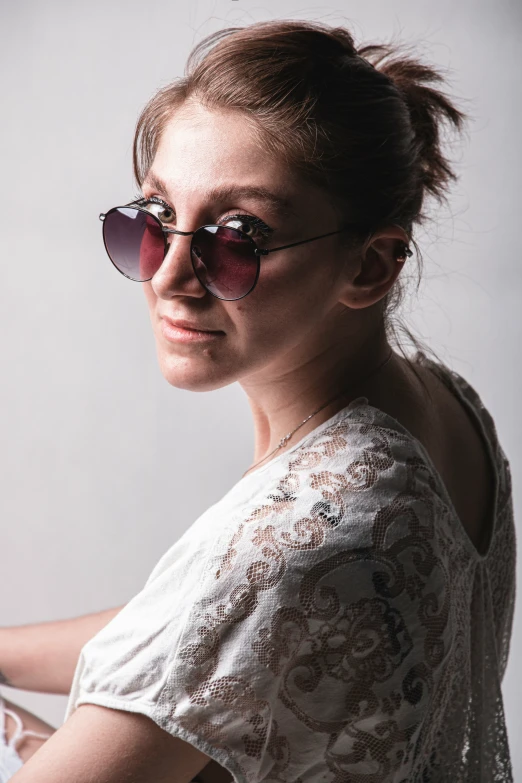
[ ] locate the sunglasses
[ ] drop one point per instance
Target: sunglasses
(226, 261)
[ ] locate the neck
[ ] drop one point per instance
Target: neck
(281, 401)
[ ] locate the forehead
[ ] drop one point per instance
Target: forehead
(208, 131)
(218, 153)
(207, 143)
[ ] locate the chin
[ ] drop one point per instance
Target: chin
(193, 374)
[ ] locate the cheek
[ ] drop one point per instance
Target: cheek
(288, 301)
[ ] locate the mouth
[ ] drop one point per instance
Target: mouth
(181, 323)
(177, 332)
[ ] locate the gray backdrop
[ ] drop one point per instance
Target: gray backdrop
(104, 464)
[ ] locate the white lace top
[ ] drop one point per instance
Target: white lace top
(329, 619)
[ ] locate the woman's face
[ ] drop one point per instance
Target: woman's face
(294, 309)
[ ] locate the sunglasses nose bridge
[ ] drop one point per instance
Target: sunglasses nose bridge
(176, 231)
(170, 234)
(179, 247)
(176, 268)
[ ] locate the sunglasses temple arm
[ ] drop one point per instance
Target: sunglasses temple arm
(264, 252)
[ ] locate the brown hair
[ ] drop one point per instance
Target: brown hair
(361, 123)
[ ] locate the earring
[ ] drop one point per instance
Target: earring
(405, 252)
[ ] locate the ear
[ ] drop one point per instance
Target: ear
(374, 271)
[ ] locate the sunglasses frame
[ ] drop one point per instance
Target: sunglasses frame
(258, 252)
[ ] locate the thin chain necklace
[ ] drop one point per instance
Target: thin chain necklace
(286, 438)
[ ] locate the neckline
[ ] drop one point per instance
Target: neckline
(309, 435)
(453, 381)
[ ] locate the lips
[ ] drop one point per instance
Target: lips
(181, 323)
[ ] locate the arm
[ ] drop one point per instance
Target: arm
(109, 746)
(42, 656)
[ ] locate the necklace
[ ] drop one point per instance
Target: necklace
(286, 438)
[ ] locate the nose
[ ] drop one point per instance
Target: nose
(176, 276)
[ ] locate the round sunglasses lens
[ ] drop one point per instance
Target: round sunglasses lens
(134, 242)
(224, 261)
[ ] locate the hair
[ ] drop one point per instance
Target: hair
(363, 124)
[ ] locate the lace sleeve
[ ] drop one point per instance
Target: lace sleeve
(314, 649)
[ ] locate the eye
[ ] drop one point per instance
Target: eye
(252, 226)
(165, 215)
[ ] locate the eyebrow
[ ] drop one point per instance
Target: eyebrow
(278, 204)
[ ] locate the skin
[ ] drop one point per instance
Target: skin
(290, 348)
(311, 327)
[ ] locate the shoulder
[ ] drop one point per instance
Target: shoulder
(349, 486)
(327, 594)
(349, 523)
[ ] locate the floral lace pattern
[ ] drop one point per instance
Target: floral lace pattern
(340, 627)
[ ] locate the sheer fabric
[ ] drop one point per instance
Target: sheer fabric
(10, 760)
(329, 619)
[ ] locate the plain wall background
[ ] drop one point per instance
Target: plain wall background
(104, 464)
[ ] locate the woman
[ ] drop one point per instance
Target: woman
(343, 613)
